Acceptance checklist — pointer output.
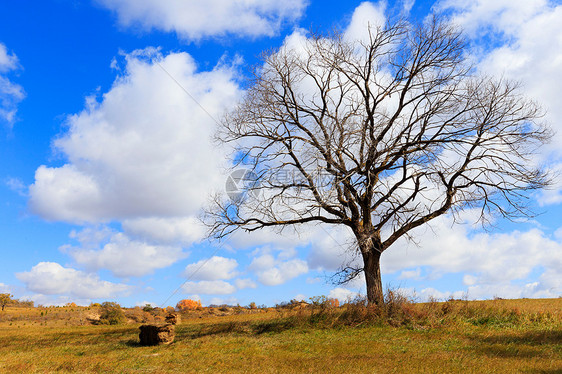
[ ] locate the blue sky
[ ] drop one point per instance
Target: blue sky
(106, 162)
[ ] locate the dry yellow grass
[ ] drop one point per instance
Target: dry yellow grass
(264, 343)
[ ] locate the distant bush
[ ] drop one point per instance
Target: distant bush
(139, 315)
(5, 299)
(111, 314)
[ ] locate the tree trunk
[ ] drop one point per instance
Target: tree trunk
(371, 268)
(373, 279)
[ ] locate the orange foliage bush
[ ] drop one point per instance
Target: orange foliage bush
(333, 303)
(187, 304)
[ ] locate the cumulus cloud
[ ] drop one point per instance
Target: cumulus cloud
(4, 288)
(430, 293)
(410, 274)
(212, 269)
(143, 151)
(342, 294)
(194, 20)
(51, 300)
(125, 257)
(262, 262)
(480, 16)
(525, 46)
(223, 301)
(215, 287)
(10, 93)
(489, 259)
(180, 230)
(8, 61)
(366, 15)
(50, 278)
(245, 283)
(282, 272)
(331, 247)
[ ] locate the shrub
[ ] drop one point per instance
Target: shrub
(139, 315)
(187, 305)
(111, 314)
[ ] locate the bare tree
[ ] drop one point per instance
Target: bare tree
(381, 135)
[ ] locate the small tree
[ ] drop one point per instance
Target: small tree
(5, 299)
(382, 136)
(111, 314)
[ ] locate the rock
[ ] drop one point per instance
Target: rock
(93, 318)
(157, 334)
(173, 318)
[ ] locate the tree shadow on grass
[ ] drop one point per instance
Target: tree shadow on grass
(552, 337)
(529, 344)
(242, 328)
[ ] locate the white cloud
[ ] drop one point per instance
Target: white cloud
(479, 17)
(262, 262)
(366, 15)
(300, 297)
(223, 301)
(194, 20)
(7, 61)
(410, 274)
(215, 287)
(50, 300)
(332, 247)
(10, 93)
(245, 283)
(50, 278)
(212, 269)
(430, 293)
(342, 294)
(125, 257)
(4, 288)
(16, 185)
(282, 272)
(469, 279)
(490, 260)
(553, 195)
(144, 151)
(408, 5)
(144, 303)
(182, 230)
(523, 44)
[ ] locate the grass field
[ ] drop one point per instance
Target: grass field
(499, 336)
